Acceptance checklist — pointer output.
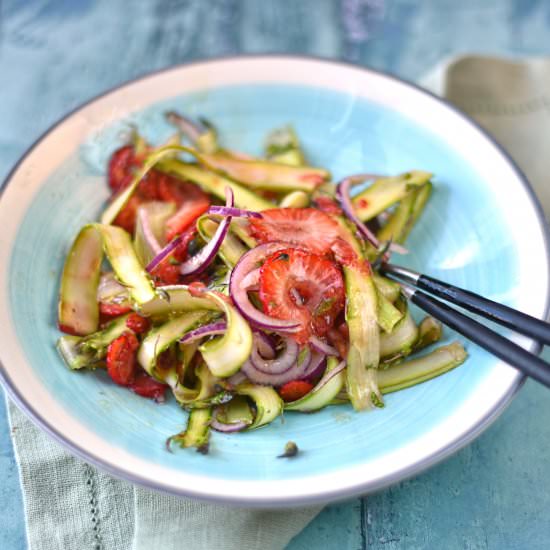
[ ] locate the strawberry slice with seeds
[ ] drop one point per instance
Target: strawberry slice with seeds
(146, 386)
(121, 358)
(190, 200)
(121, 165)
(305, 227)
(304, 287)
(294, 390)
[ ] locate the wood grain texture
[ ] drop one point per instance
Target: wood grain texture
(55, 54)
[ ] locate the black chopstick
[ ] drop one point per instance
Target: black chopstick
(504, 349)
(499, 313)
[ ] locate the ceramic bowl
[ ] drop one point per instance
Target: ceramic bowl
(482, 230)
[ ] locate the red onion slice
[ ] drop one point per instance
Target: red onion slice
(237, 378)
(264, 379)
(247, 263)
(327, 377)
(266, 345)
(164, 253)
(148, 234)
(330, 375)
(232, 427)
(322, 346)
(316, 367)
(232, 211)
(277, 365)
(200, 261)
(211, 329)
(311, 366)
(110, 290)
(192, 130)
(343, 194)
(251, 280)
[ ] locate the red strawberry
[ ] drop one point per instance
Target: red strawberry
(305, 227)
(121, 358)
(190, 200)
(113, 310)
(166, 273)
(146, 386)
(328, 204)
(126, 218)
(121, 166)
(138, 324)
(303, 287)
(294, 390)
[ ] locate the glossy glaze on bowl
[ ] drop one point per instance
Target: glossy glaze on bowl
(481, 230)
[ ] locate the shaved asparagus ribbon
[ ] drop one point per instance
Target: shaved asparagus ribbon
(78, 307)
(343, 193)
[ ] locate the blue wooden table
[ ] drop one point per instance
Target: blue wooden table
(55, 54)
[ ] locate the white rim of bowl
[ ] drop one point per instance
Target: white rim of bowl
(322, 487)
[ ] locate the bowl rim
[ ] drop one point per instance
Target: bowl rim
(460, 441)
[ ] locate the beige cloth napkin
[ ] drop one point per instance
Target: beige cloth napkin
(71, 506)
(510, 99)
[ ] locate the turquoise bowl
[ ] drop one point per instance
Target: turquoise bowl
(482, 230)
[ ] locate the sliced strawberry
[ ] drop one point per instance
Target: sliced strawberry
(174, 190)
(294, 390)
(120, 169)
(148, 188)
(121, 358)
(190, 200)
(185, 216)
(328, 204)
(146, 386)
(166, 273)
(126, 218)
(305, 227)
(113, 310)
(138, 324)
(303, 287)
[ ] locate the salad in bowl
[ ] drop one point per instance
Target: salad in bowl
(246, 287)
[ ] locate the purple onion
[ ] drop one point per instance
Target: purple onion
(247, 263)
(211, 329)
(234, 212)
(327, 377)
(266, 345)
(110, 290)
(322, 346)
(280, 370)
(148, 235)
(342, 192)
(263, 378)
(190, 129)
(164, 253)
(232, 427)
(237, 378)
(330, 375)
(315, 368)
(277, 365)
(251, 280)
(200, 261)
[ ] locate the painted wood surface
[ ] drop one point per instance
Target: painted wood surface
(55, 54)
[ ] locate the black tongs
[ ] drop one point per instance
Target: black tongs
(504, 349)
